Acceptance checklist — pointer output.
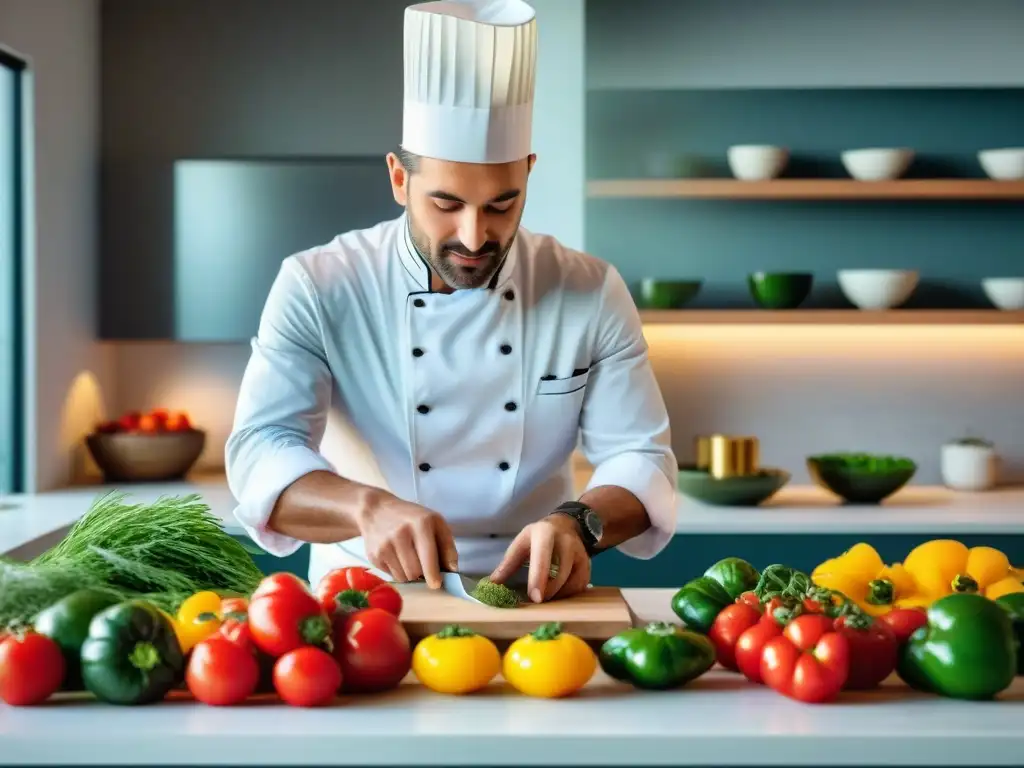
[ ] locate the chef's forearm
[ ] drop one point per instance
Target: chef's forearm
(622, 514)
(323, 508)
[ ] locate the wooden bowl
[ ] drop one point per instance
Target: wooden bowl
(145, 456)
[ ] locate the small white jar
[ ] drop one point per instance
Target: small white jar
(969, 465)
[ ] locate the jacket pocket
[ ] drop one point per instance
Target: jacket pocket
(567, 386)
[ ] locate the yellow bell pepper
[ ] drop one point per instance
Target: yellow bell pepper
(549, 663)
(943, 566)
(456, 660)
(198, 618)
(862, 576)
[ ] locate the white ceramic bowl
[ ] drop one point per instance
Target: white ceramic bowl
(877, 164)
(1003, 164)
(877, 288)
(754, 162)
(1004, 292)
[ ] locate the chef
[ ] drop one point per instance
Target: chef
(468, 356)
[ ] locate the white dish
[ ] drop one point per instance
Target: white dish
(1006, 164)
(877, 164)
(1004, 292)
(755, 162)
(877, 288)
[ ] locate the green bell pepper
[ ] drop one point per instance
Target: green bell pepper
(131, 655)
(66, 622)
(657, 657)
(699, 601)
(735, 575)
(1014, 605)
(967, 649)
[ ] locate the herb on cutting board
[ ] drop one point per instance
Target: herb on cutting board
(495, 595)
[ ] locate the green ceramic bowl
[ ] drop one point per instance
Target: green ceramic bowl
(780, 290)
(743, 491)
(861, 478)
(668, 294)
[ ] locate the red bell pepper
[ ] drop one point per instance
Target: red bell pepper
(874, 650)
(809, 661)
(731, 622)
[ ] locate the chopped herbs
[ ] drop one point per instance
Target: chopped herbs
(495, 595)
(865, 462)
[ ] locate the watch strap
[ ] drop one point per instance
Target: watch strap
(579, 511)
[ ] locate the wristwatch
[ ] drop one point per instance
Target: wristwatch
(588, 521)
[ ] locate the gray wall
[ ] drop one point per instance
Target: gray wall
(68, 376)
(235, 78)
(804, 43)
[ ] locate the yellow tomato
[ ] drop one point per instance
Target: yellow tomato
(198, 618)
(549, 663)
(456, 660)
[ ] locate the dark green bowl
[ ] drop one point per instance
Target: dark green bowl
(861, 478)
(742, 491)
(780, 290)
(668, 294)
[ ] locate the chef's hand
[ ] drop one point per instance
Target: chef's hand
(409, 541)
(556, 536)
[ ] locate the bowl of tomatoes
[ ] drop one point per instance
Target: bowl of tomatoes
(154, 446)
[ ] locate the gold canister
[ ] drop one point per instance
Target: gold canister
(702, 449)
(733, 456)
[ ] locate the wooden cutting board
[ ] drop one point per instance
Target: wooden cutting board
(594, 615)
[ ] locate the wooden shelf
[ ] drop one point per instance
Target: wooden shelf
(832, 317)
(810, 189)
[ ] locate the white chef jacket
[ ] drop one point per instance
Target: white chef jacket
(470, 403)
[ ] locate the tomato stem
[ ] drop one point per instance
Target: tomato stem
(315, 629)
(548, 631)
(352, 600)
(144, 656)
(455, 630)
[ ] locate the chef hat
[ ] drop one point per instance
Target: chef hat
(470, 68)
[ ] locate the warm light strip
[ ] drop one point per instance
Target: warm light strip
(955, 343)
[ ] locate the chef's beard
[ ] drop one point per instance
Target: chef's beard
(491, 255)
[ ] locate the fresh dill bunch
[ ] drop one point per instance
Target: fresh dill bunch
(495, 595)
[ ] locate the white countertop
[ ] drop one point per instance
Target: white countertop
(718, 720)
(25, 519)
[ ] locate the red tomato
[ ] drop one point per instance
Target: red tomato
(377, 592)
(31, 669)
(221, 671)
(237, 631)
(730, 623)
(751, 599)
(277, 582)
(749, 646)
(287, 619)
(236, 605)
(874, 650)
(372, 648)
(307, 677)
(904, 622)
(809, 662)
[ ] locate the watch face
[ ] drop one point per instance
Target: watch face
(593, 522)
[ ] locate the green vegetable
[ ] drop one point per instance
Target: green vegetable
(1013, 603)
(699, 601)
(131, 655)
(735, 575)
(161, 552)
(657, 657)
(866, 462)
(495, 595)
(967, 650)
(66, 622)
